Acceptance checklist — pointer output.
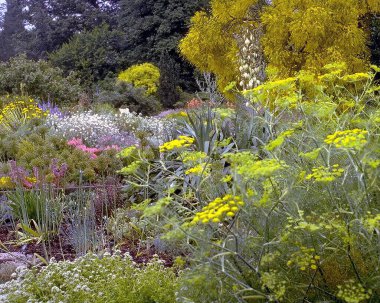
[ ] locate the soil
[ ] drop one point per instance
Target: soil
(63, 250)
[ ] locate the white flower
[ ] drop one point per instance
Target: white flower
(124, 111)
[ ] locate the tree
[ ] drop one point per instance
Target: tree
(13, 29)
(308, 34)
(51, 23)
(216, 37)
(153, 27)
(375, 40)
(236, 39)
(92, 54)
(168, 85)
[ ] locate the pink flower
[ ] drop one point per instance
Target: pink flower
(78, 144)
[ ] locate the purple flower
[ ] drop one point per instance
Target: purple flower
(51, 108)
(58, 171)
(168, 112)
(122, 139)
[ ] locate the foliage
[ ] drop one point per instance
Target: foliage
(37, 79)
(51, 23)
(123, 94)
(92, 279)
(308, 35)
(153, 28)
(36, 152)
(13, 30)
(220, 40)
(39, 213)
(18, 113)
(144, 75)
(91, 54)
(375, 41)
(212, 41)
(168, 92)
(295, 215)
(20, 116)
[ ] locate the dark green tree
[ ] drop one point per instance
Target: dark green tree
(375, 40)
(13, 29)
(153, 27)
(92, 54)
(168, 87)
(51, 23)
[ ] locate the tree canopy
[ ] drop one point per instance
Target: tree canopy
(296, 35)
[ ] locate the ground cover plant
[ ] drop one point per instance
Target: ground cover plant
(116, 185)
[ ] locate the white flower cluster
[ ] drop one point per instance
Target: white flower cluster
(153, 129)
(85, 125)
(86, 279)
(251, 58)
(94, 128)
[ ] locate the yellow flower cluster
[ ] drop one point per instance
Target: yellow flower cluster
(6, 182)
(324, 174)
(353, 292)
(182, 141)
(357, 77)
(193, 157)
(279, 140)
(219, 209)
(19, 111)
(304, 258)
(354, 138)
(196, 170)
(247, 165)
(127, 152)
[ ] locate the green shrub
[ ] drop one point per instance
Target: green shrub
(123, 94)
(37, 79)
(91, 54)
(36, 151)
(19, 117)
(111, 279)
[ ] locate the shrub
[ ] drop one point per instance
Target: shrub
(19, 117)
(123, 94)
(19, 112)
(92, 54)
(92, 279)
(36, 152)
(38, 79)
(144, 75)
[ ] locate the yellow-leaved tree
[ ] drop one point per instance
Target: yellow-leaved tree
(236, 38)
(308, 34)
(217, 37)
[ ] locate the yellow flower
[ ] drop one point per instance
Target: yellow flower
(325, 174)
(182, 141)
(19, 112)
(196, 170)
(6, 183)
(304, 258)
(279, 140)
(218, 210)
(248, 166)
(354, 138)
